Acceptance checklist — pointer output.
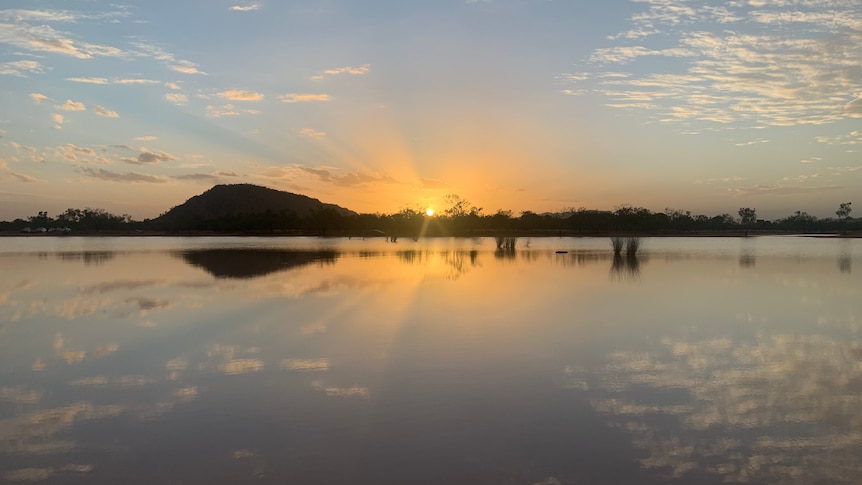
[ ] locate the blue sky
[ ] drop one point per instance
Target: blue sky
(513, 104)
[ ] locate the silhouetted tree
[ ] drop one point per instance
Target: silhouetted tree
(747, 215)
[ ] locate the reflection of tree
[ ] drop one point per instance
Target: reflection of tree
(626, 267)
(845, 263)
(747, 255)
(88, 257)
(250, 263)
(780, 409)
(844, 259)
(459, 261)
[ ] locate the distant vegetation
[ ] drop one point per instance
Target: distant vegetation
(259, 210)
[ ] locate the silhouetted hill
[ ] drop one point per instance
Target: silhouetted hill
(246, 206)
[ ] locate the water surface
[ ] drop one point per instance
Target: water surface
(303, 360)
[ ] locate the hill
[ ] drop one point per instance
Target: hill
(246, 206)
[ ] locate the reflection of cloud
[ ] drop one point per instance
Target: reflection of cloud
(728, 407)
(118, 285)
(241, 366)
(20, 395)
(352, 391)
(147, 304)
(305, 364)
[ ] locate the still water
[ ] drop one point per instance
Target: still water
(336, 361)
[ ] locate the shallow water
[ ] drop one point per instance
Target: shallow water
(304, 360)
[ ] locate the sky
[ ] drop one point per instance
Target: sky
(539, 105)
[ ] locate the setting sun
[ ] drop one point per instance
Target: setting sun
(429, 212)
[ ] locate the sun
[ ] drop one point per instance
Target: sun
(429, 212)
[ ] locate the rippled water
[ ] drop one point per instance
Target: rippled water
(258, 360)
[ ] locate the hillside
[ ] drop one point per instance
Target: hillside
(243, 206)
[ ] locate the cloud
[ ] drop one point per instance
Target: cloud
(70, 105)
(44, 38)
(6, 173)
(84, 150)
(147, 157)
(303, 97)
(58, 119)
(854, 108)
(852, 138)
(177, 98)
(779, 189)
(38, 98)
(432, 184)
(228, 110)
(356, 71)
(20, 68)
(102, 111)
(346, 180)
(174, 86)
(780, 63)
(752, 142)
(811, 160)
(129, 177)
(245, 8)
(186, 67)
(310, 133)
(88, 80)
(146, 138)
(209, 178)
(240, 95)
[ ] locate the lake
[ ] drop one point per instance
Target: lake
(442, 361)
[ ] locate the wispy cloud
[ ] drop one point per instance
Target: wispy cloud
(8, 174)
(157, 53)
(355, 71)
(146, 138)
(88, 80)
(38, 97)
(128, 177)
(303, 97)
(177, 98)
(811, 160)
(44, 38)
(228, 110)
(737, 63)
(780, 189)
(311, 133)
(348, 179)
(148, 157)
(852, 138)
(245, 8)
(102, 111)
(752, 142)
(20, 68)
(240, 95)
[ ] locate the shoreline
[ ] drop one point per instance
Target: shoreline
(735, 234)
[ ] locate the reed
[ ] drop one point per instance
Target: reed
(633, 245)
(505, 242)
(618, 243)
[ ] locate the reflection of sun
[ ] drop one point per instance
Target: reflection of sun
(429, 212)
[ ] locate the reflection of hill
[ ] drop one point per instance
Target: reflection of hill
(250, 263)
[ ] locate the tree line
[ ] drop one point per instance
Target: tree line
(460, 218)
